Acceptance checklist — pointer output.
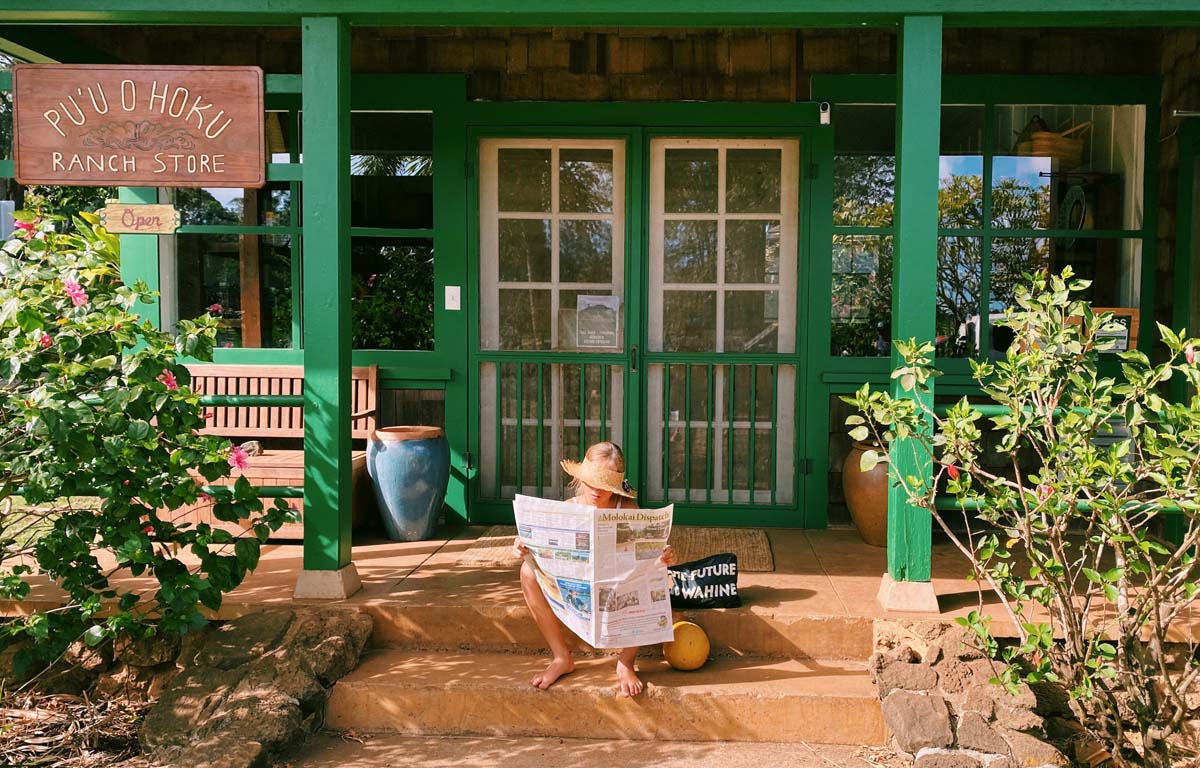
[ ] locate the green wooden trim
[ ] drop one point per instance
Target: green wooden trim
(139, 253)
(325, 44)
(406, 373)
(415, 234)
(287, 84)
(816, 285)
(284, 172)
(918, 118)
(637, 272)
(236, 229)
(6, 80)
(406, 383)
(235, 401)
(611, 13)
(446, 95)
(8, 168)
(1184, 263)
(1148, 331)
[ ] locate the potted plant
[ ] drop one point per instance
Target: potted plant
(866, 490)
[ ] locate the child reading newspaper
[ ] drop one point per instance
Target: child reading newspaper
(598, 481)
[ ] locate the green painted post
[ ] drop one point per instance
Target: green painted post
(139, 253)
(325, 49)
(914, 270)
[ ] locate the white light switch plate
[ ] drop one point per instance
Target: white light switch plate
(453, 297)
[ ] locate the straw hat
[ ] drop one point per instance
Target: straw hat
(602, 478)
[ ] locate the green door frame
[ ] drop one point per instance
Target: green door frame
(1186, 296)
(638, 123)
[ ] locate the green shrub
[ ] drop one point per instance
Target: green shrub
(1074, 549)
(94, 403)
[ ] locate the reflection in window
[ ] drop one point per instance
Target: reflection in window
(1049, 156)
(391, 293)
(243, 280)
(552, 218)
(960, 167)
(269, 206)
(1021, 192)
(864, 165)
(862, 296)
(960, 269)
(691, 181)
(391, 167)
(1108, 263)
(585, 180)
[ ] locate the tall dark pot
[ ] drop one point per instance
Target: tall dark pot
(409, 469)
(867, 495)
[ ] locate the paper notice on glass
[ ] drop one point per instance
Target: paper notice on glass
(597, 321)
(600, 568)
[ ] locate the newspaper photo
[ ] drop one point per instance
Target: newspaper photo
(600, 568)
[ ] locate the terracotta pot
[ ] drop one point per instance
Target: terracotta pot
(409, 467)
(866, 495)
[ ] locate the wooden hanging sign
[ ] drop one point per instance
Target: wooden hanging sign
(139, 219)
(110, 125)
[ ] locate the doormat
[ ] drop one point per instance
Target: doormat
(751, 545)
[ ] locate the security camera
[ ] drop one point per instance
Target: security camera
(824, 113)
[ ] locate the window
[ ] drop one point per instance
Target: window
(391, 217)
(1021, 187)
(236, 251)
(864, 191)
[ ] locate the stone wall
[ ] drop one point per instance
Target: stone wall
(940, 707)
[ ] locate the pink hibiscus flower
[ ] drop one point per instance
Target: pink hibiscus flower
(78, 296)
(168, 378)
(237, 457)
(214, 309)
(45, 341)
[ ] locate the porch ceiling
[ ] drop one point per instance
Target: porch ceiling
(656, 13)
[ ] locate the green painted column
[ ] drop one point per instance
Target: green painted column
(914, 268)
(139, 253)
(325, 49)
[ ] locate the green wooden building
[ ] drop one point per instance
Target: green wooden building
(686, 226)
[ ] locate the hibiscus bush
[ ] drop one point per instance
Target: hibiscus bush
(1074, 550)
(99, 444)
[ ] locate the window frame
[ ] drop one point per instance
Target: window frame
(989, 91)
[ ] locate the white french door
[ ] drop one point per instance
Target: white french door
(721, 312)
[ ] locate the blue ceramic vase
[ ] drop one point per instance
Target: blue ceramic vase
(409, 468)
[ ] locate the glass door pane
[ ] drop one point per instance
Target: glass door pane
(722, 321)
(552, 256)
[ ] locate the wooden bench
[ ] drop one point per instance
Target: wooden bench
(279, 466)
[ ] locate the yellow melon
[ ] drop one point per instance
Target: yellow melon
(690, 648)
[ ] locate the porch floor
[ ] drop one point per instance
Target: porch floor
(819, 575)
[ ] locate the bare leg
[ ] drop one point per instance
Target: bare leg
(551, 628)
(627, 679)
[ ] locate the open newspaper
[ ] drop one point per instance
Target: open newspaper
(599, 568)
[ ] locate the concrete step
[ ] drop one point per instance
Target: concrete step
(431, 693)
(509, 628)
(330, 750)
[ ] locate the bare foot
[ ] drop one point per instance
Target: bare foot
(554, 670)
(627, 679)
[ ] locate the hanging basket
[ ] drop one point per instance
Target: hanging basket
(1061, 146)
